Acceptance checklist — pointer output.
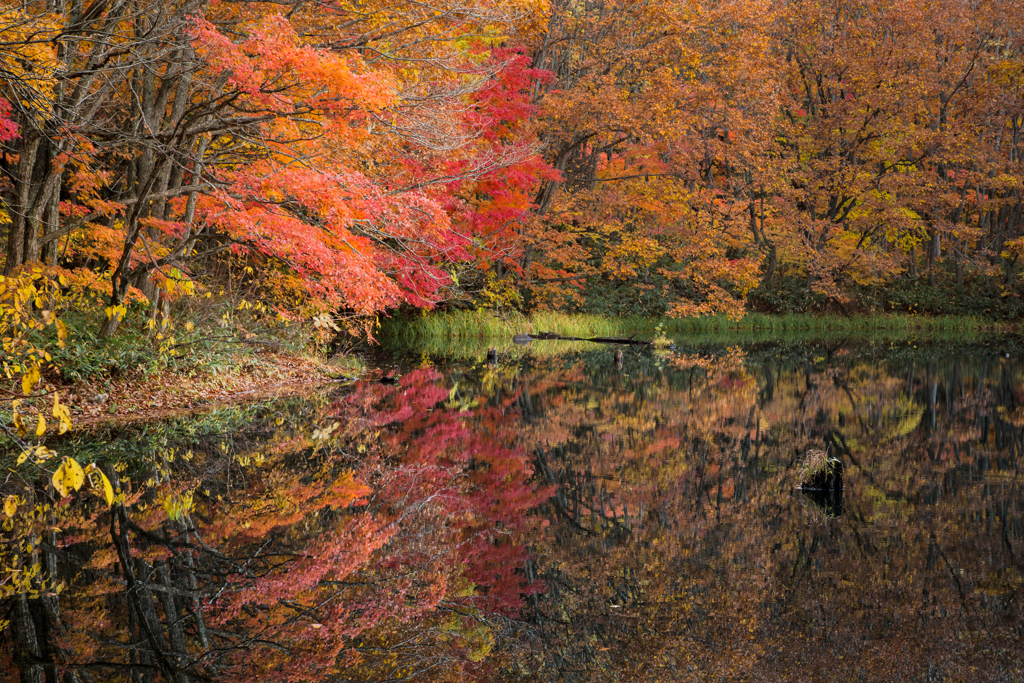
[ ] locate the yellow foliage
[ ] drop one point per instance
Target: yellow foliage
(30, 379)
(69, 476)
(27, 303)
(62, 413)
(499, 293)
(176, 505)
(100, 483)
(28, 60)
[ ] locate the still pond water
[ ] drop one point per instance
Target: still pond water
(556, 515)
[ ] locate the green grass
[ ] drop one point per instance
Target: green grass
(468, 334)
(485, 325)
(480, 324)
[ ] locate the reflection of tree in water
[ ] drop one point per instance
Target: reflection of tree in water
(678, 548)
(387, 540)
(830, 502)
(379, 543)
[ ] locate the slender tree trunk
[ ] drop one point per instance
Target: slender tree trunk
(51, 223)
(773, 262)
(934, 252)
(22, 197)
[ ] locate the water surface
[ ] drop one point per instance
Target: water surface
(678, 542)
(559, 515)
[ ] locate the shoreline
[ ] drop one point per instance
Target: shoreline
(135, 397)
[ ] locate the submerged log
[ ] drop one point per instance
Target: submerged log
(552, 336)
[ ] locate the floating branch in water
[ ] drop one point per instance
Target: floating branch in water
(552, 336)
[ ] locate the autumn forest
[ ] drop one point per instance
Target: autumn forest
(230, 452)
(687, 158)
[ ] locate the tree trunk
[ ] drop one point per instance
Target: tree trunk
(773, 263)
(20, 207)
(934, 252)
(27, 653)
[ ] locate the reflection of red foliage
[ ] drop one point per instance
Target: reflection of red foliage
(730, 382)
(407, 522)
(473, 486)
(429, 517)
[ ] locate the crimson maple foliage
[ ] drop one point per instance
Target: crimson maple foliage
(266, 141)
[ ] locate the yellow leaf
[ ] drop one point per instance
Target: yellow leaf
(42, 453)
(104, 483)
(24, 456)
(108, 490)
(10, 505)
(41, 427)
(30, 379)
(67, 477)
(62, 413)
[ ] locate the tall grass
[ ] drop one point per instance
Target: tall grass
(486, 325)
(468, 334)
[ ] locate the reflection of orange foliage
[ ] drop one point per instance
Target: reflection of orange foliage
(677, 529)
(731, 360)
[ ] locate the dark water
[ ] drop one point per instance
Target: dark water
(567, 517)
(676, 530)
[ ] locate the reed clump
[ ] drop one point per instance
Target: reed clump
(820, 472)
(494, 328)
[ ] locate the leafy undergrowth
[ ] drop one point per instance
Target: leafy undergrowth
(204, 355)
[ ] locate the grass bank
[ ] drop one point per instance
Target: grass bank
(468, 334)
(487, 325)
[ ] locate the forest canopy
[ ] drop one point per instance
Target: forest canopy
(628, 157)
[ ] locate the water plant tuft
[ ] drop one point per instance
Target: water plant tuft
(820, 472)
